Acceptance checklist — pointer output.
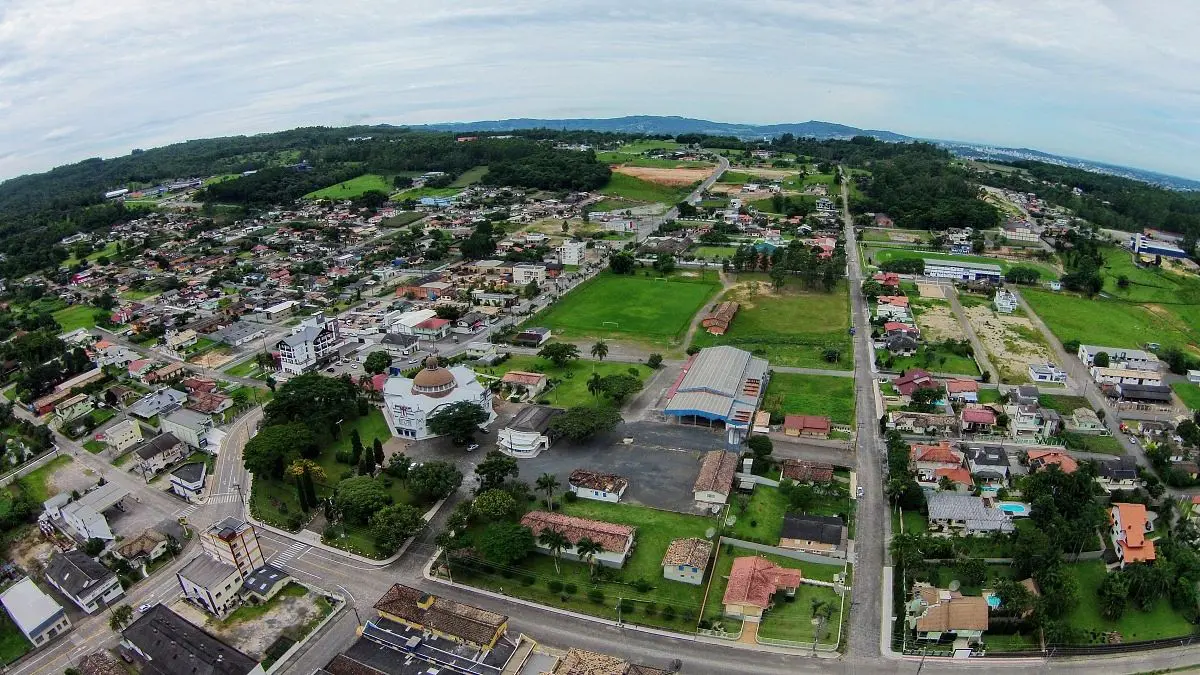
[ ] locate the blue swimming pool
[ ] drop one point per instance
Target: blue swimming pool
(1014, 508)
(993, 601)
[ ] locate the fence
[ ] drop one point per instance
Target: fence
(786, 553)
(1051, 651)
(28, 467)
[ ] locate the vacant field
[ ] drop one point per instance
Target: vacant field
(630, 187)
(571, 387)
(788, 328)
(1062, 403)
(876, 256)
(418, 193)
(789, 393)
(937, 321)
(1147, 284)
(666, 177)
(1112, 322)
(76, 316)
(1011, 341)
(1134, 625)
(355, 187)
(633, 307)
(936, 359)
(612, 204)
(639, 147)
(470, 177)
(1189, 393)
(715, 252)
(402, 219)
(885, 234)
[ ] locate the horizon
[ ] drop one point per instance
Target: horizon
(1076, 78)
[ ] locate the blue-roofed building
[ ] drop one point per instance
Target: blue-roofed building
(1144, 245)
(440, 202)
(720, 387)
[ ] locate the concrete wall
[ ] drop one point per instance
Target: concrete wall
(9, 478)
(786, 553)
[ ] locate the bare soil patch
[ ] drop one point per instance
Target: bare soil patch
(253, 636)
(937, 322)
(931, 291)
(672, 177)
(214, 359)
(1012, 342)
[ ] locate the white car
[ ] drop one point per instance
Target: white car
(472, 447)
(145, 608)
(861, 491)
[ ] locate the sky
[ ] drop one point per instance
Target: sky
(1107, 80)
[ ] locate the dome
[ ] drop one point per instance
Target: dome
(433, 380)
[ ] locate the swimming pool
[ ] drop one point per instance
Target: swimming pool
(993, 601)
(1015, 509)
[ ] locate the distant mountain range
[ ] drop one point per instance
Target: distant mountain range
(652, 124)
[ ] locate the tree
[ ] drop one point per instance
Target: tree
(1015, 598)
(319, 402)
(392, 525)
(531, 289)
(600, 350)
(622, 263)
(1122, 281)
(359, 497)
(271, 449)
(923, 399)
(398, 466)
(492, 505)
(945, 484)
(580, 423)
(377, 362)
(305, 472)
(559, 353)
(872, 289)
(1114, 593)
(761, 446)
(434, 480)
(356, 447)
(587, 549)
(1100, 360)
(494, 469)
(831, 354)
(555, 541)
(548, 483)
(655, 361)
(972, 570)
(799, 496)
(595, 384)
(366, 465)
(1022, 274)
(377, 450)
(458, 420)
(620, 386)
(122, 616)
(664, 264)
(505, 543)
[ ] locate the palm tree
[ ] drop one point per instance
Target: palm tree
(120, 617)
(594, 385)
(548, 483)
(555, 541)
(305, 472)
(600, 350)
(945, 484)
(587, 550)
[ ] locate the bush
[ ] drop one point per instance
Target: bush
(596, 595)
(651, 609)
(655, 361)
(527, 579)
(570, 497)
(753, 523)
(642, 586)
(570, 589)
(626, 606)
(555, 586)
(668, 612)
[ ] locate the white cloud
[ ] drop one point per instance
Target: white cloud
(1105, 80)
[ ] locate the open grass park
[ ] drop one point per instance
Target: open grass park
(792, 327)
(470, 177)
(636, 189)
(570, 381)
(635, 307)
(793, 394)
(355, 187)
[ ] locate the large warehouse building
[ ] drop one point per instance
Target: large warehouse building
(720, 386)
(962, 271)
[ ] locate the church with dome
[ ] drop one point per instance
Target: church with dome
(408, 402)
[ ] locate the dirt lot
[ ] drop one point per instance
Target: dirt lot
(931, 290)
(734, 190)
(286, 614)
(759, 172)
(1011, 341)
(214, 359)
(937, 322)
(672, 177)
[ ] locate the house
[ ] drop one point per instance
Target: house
(977, 419)
(715, 481)
(1193, 376)
(123, 435)
(989, 465)
(1040, 459)
(686, 560)
(528, 433)
(1085, 421)
(34, 612)
(598, 486)
(209, 404)
(158, 453)
(1125, 376)
(469, 323)
(804, 471)
(616, 540)
(1005, 301)
(1025, 394)
(398, 344)
(188, 426)
(891, 328)
(887, 279)
(807, 425)
(901, 344)
(532, 337)
(187, 480)
(928, 424)
(210, 583)
(719, 317)
(959, 478)
(1129, 527)
(1120, 473)
(934, 613)
(168, 373)
(526, 383)
(144, 548)
(157, 402)
(83, 581)
(753, 582)
(966, 391)
(450, 620)
(1032, 421)
(161, 640)
(73, 407)
(1120, 357)
(1047, 372)
(139, 368)
(892, 307)
(815, 534)
(238, 333)
(432, 329)
(913, 380)
(968, 514)
(925, 459)
(264, 583)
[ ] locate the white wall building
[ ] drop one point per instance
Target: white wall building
(84, 581)
(408, 403)
(572, 252)
(38, 616)
(962, 271)
(1119, 357)
(123, 435)
(527, 434)
(523, 273)
(316, 338)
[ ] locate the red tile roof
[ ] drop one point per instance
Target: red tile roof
(959, 386)
(894, 300)
(807, 422)
(959, 475)
(611, 536)
(979, 415)
(804, 471)
(939, 453)
(753, 580)
(1133, 523)
(1039, 458)
(522, 377)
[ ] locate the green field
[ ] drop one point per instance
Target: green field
(933, 358)
(1105, 445)
(638, 147)
(714, 252)
(1147, 284)
(793, 394)
(1063, 404)
(622, 185)
(1189, 393)
(76, 316)
(612, 204)
(1135, 625)
(881, 234)
(355, 187)
(402, 219)
(649, 162)
(571, 388)
(13, 644)
(631, 307)
(1111, 322)
(470, 177)
(876, 256)
(788, 329)
(418, 193)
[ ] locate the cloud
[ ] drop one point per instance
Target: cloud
(1104, 80)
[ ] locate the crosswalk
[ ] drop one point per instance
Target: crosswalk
(223, 498)
(285, 556)
(185, 512)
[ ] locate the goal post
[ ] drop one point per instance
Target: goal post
(615, 324)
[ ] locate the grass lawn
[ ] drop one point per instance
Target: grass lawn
(763, 518)
(417, 193)
(638, 147)
(1106, 445)
(355, 187)
(882, 234)
(989, 395)
(1112, 322)
(714, 252)
(792, 328)
(1134, 625)
(909, 522)
(136, 294)
(247, 368)
(369, 426)
(1147, 284)
(248, 612)
(1064, 405)
(37, 480)
(612, 204)
(938, 360)
(1189, 393)
(880, 255)
(623, 185)
(76, 316)
(632, 307)
(93, 446)
(571, 389)
(470, 177)
(13, 644)
(402, 219)
(102, 415)
(789, 393)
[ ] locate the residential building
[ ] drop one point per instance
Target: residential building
(962, 271)
(1031, 421)
(753, 582)
(715, 482)
(528, 433)
(1005, 301)
(970, 515)
(188, 480)
(158, 453)
(977, 419)
(901, 344)
(1125, 376)
(925, 459)
(616, 540)
(814, 534)
(188, 426)
(279, 311)
(1040, 459)
(234, 542)
(161, 640)
(238, 333)
(1120, 473)
(1047, 372)
(523, 273)
(1085, 421)
(601, 487)
(432, 329)
(913, 380)
(83, 581)
(721, 387)
(804, 471)
(157, 402)
(123, 435)
(928, 424)
(398, 344)
(534, 336)
(1129, 528)
(35, 613)
(210, 583)
(959, 479)
(180, 340)
(409, 402)
(893, 307)
(73, 407)
(686, 559)
(934, 613)
(966, 391)
(1120, 357)
(144, 548)
(316, 340)
(447, 619)
(571, 252)
(989, 464)
(264, 583)
(807, 425)
(525, 384)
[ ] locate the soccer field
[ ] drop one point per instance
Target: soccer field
(637, 307)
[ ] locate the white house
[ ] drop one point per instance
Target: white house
(715, 481)
(686, 560)
(528, 433)
(601, 487)
(188, 426)
(1046, 372)
(123, 435)
(38, 616)
(571, 252)
(187, 480)
(615, 540)
(1005, 301)
(523, 273)
(210, 583)
(1193, 376)
(409, 402)
(1119, 357)
(83, 581)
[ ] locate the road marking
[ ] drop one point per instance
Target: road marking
(284, 557)
(184, 513)
(223, 498)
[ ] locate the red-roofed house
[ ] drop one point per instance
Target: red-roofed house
(889, 279)
(927, 459)
(1039, 459)
(977, 419)
(753, 581)
(807, 425)
(1129, 528)
(432, 329)
(531, 383)
(891, 327)
(913, 380)
(617, 540)
(892, 307)
(961, 477)
(963, 390)
(140, 368)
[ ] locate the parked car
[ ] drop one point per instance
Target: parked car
(145, 607)
(329, 369)
(861, 491)
(472, 447)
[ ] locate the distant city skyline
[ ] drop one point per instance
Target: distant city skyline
(1096, 79)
